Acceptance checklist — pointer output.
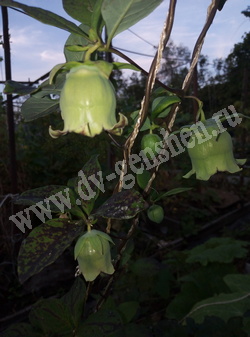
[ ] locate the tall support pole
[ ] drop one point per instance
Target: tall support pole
(9, 102)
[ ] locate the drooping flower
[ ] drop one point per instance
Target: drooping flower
(211, 150)
(92, 251)
(88, 101)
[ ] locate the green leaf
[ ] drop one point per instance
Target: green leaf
(53, 317)
(163, 283)
(133, 329)
(41, 102)
(52, 198)
(197, 286)
(45, 244)
(128, 310)
(119, 15)
(34, 108)
(160, 92)
(143, 178)
(72, 182)
(215, 327)
(123, 205)
(238, 282)
(102, 323)
(160, 104)
(122, 65)
(223, 306)
(81, 10)
(31, 197)
(60, 69)
(145, 267)
(223, 250)
(45, 16)
(74, 299)
(172, 192)
(164, 113)
(12, 87)
(97, 22)
(89, 183)
(75, 40)
(146, 125)
(246, 325)
(54, 71)
(21, 330)
(77, 48)
(47, 89)
(127, 253)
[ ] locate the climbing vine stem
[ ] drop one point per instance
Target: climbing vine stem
(211, 12)
(149, 87)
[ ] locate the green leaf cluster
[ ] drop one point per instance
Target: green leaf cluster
(49, 240)
(84, 40)
(221, 250)
(213, 288)
(53, 316)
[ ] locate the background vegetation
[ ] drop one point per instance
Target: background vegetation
(189, 275)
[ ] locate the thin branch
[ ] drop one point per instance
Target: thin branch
(176, 91)
(152, 73)
(130, 141)
(144, 108)
(211, 12)
(168, 25)
(112, 277)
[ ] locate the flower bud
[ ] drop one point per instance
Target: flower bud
(210, 151)
(92, 251)
(155, 213)
(88, 102)
(148, 143)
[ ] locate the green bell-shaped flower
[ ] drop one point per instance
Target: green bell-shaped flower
(88, 101)
(211, 150)
(92, 251)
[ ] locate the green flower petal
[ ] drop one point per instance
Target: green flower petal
(188, 175)
(212, 155)
(102, 235)
(119, 126)
(92, 252)
(88, 268)
(88, 103)
(241, 161)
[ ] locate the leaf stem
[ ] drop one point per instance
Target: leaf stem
(200, 110)
(91, 50)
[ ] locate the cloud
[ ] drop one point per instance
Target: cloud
(36, 48)
(52, 55)
(32, 52)
(25, 37)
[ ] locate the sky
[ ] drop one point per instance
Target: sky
(36, 48)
